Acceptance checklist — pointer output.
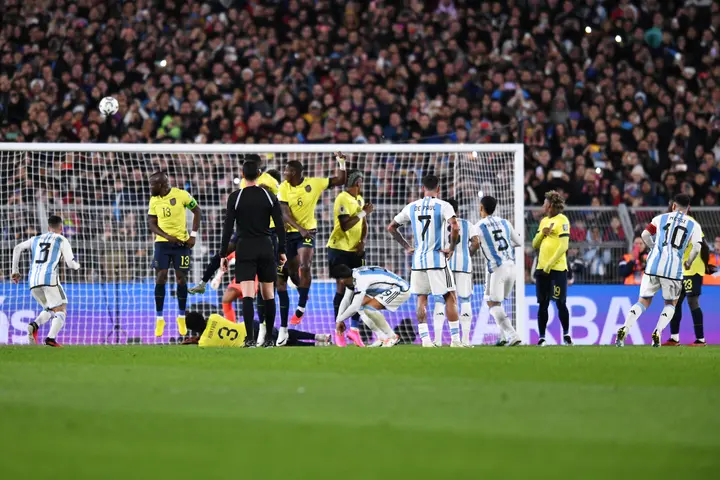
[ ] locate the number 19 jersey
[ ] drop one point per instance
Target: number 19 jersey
(427, 217)
(676, 232)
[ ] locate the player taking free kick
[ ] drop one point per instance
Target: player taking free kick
(45, 253)
(166, 218)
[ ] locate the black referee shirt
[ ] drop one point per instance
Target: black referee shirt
(250, 210)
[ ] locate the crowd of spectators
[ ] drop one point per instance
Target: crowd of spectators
(616, 101)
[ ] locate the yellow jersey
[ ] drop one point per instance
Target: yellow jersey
(265, 180)
(346, 204)
(698, 266)
(170, 211)
(302, 200)
(560, 229)
(220, 332)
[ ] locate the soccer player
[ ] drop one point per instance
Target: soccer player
(430, 271)
(551, 276)
(371, 290)
(461, 266)
(249, 210)
(166, 218)
(347, 244)
(45, 253)
(499, 240)
(298, 197)
(675, 232)
(220, 332)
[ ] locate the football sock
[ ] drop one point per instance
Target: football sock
(229, 312)
(57, 323)
(697, 316)
(284, 307)
(248, 312)
(675, 336)
(337, 300)
(380, 322)
(465, 318)
(211, 268)
(634, 313)
(423, 332)
(43, 318)
(302, 301)
(498, 313)
(438, 319)
(665, 316)
(454, 330)
(269, 310)
(675, 321)
(159, 298)
(564, 315)
(543, 317)
(372, 326)
(182, 297)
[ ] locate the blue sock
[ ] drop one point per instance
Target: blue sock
(302, 301)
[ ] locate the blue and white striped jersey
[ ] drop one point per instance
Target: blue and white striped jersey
(461, 260)
(498, 240)
(427, 218)
(675, 232)
(372, 281)
(45, 253)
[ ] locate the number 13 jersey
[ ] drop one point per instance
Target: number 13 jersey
(676, 232)
(427, 217)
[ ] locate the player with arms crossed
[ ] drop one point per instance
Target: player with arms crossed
(166, 218)
(430, 270)
(369, 291)
(298, 197)
(461, 266)
(675, 232)
(346, 245)
(551, 276)
(498, 242)
(45, 252)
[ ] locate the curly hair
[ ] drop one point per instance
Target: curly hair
(557, 202)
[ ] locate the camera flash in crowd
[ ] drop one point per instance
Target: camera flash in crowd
(588, 29)
(618, 38)
(163, 63)
(598, 171)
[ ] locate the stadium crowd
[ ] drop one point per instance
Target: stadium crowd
(616, 101)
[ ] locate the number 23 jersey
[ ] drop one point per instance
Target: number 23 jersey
(675, 232)
(427, 217)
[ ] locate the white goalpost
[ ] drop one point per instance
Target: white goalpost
(102, 192)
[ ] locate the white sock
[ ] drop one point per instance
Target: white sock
(454, 330)
(665, 317)
(381, 323)
(438, 320)
(634, 313)
(43, 318)
(372, 325)
(498, 313)
(423, 331)
(465, 319)
(57, 323)
(675, 336)
(701, 339)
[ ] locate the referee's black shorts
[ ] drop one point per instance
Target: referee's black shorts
(255, 257)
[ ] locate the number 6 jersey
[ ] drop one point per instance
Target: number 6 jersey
(675, 232)
(427, 217)
(45, 252)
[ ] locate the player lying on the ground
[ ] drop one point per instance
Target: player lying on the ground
(675, 232)
(43, 280)
(369, 291)
(498, 242)
(220, 332)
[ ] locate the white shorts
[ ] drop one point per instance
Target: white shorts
(435, 282)
(463, 284)
(392, 299)
(650, 285)
(49, 297)
(500, 283)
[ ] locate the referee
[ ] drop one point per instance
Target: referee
(250, 209)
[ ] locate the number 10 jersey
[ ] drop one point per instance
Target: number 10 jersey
(427, 218)
(675, 233)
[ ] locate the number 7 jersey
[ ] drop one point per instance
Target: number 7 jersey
(427, 217)
(676, 232)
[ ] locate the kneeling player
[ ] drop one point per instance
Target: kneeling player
(371, 290)
(220, 332)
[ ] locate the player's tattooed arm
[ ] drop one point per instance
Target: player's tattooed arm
(393, 229)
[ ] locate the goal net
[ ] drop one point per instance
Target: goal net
(102, 194)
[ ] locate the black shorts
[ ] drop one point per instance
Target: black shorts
(551, 286)
(341, 257)
(167, 253)
(255, 257)
(295, 242)
(692, 285)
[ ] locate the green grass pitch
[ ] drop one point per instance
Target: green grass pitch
(187, 413)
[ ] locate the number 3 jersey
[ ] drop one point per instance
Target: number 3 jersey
(427, 217)
(45, 253)
(675, 232)
(498, 240)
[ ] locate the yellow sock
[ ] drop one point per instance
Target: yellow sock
(159, 326)
(182, 328)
